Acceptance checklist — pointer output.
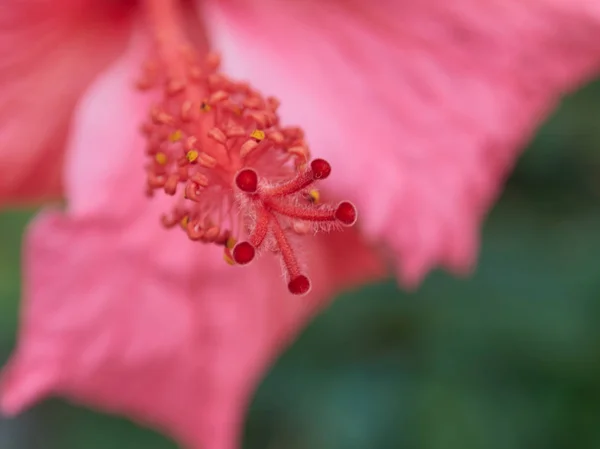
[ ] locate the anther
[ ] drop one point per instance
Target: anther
(160, 158)
(218, 135)
(192, 191)
(258, 134)
(260, 118)
(212, 233)
(162, 118)
(175, 87)
(235, 131)
(206, 160)
(276, 137)
(171, 184)
(176, 135)
(194, 230)
(230, 242)
(190, 143)
(168, 220)
(200, 179)
(218, 97)
(156, 181)
(253, 103)
(248, 147)
(192, 156)
(247, 180)
(227, 257)
(183, 173)
(186, 111)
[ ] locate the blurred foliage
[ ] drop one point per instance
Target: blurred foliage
(508, 359)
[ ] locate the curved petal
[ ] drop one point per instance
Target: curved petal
(180, 348)
(124, 315)
(422, 106)
(49, 53)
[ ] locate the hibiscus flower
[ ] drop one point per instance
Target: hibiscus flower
(418, 111)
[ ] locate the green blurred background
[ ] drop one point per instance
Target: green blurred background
(508, 359)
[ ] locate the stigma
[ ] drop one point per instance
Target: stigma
(238, 177)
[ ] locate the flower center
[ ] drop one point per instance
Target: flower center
(238, 177)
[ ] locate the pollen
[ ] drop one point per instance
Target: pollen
(237, 178)
(175, 136)
(258, 134)
(161, 158)
(192, 156)
(230, 243)
(228, 258)
(184, 222)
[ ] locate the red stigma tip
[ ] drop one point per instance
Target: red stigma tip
(247, 180)
(346, 213)
(300, 285)
(320, 168)
(243, 253)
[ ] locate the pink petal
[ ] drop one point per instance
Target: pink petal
(123, 315)
(423, 106)
(49, 53)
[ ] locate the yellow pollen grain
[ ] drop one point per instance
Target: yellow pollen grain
(176, 136)
(184, 222)
(315, 196)
(205, 107)
(230, 243)
(227, 258)
(161, 158)
(258, 134)
(192, 156)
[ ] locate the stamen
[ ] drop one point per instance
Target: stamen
(258, 134)
(192, 156)
(161, 158)
(175, 136)
(237, 177)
